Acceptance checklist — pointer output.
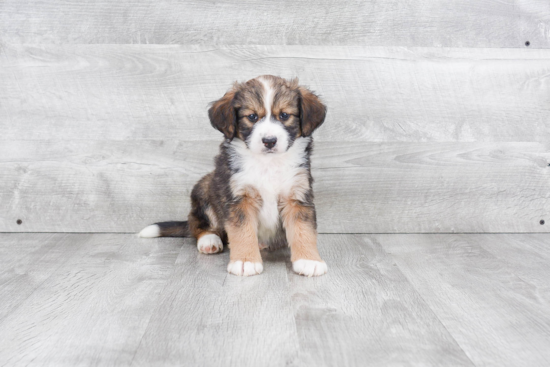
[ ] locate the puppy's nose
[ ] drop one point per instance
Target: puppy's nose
(269, 142)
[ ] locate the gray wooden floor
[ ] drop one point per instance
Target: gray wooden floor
(392, 299)
(438, 123)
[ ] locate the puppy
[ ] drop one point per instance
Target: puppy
(259, 195)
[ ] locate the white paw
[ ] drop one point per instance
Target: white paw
(210, 244)
(309, 268)
(245, 269)
(150, 231)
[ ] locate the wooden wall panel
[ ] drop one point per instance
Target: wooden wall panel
(474, 23)
(123, 92)
(121, 186)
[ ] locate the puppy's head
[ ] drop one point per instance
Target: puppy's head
(268, 113)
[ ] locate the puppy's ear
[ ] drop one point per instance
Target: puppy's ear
(223, 116)
(312, 111)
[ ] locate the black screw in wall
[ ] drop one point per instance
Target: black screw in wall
(19, 221)
(527, 43)
(541, 222)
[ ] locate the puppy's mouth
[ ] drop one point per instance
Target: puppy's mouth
(274, 150)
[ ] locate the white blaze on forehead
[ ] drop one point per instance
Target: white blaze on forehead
(269, 92)
(268, 126)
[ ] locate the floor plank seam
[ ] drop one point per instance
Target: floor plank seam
(155, 308)
(39, 286)
(428, 305)
(289, 273)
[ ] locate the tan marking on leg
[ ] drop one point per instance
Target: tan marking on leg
(242, 228)
(300, 230)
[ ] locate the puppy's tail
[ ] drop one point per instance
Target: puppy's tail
(166, 229)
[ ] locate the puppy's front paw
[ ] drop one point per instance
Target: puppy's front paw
(309, 268)
(245, 269)
(210, 244)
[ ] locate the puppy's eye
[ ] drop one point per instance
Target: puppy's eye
(253, 117)
(283, 116)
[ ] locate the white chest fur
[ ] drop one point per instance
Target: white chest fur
(272, 175)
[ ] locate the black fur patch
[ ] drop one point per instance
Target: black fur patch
(212, 195)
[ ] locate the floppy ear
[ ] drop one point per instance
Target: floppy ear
(222, 115)
(312, 111)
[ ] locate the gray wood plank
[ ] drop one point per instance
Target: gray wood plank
(104, 308)
(474, 23)
(210, 318)
(527, 257)
(495, 309)
(27, 261)
(94, 308)
(432, 187)
(121, 186)
(388, 300)
(365, 313)
(123, 92)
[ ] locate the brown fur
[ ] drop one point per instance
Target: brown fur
(313, 112)
(218, 207)
(222, 115)
(200, 219)
(300, 231)
(241, 228)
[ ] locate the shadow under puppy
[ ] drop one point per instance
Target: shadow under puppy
(260, 193)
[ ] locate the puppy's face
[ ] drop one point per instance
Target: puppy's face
(268, 113)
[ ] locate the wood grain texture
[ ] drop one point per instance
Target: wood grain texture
(436, 187)
(528, 256)
(26, 262)
(474, 23)
(94, 308)
(112, 305)
(490, 301)
(121, 186)
(208, 317)
(387, 300)
(120, 92)
(365, 297)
